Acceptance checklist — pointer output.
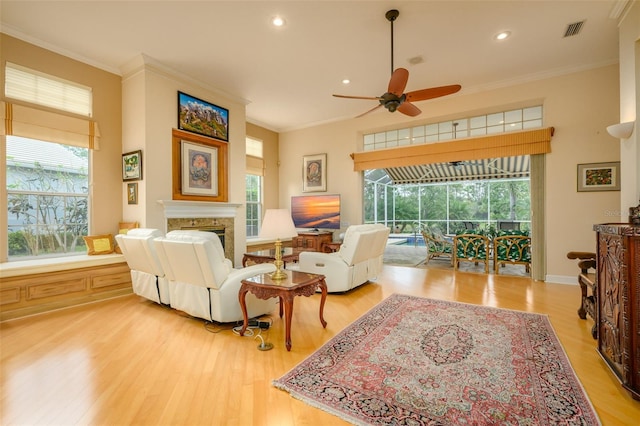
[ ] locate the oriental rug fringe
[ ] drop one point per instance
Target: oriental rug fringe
(417, 361)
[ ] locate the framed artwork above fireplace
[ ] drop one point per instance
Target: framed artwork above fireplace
(199, 168)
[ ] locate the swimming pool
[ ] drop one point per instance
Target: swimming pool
(406, 240)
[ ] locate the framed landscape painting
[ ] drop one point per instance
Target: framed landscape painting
(202, 117)
(132, 165)
(599, 177)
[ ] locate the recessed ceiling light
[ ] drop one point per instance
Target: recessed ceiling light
(346, 81)
(277, 21)
(502, 35)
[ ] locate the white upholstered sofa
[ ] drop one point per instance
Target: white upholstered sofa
(147, 275)
(202, 282)
(358, 260)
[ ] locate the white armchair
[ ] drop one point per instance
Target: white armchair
(358, 260)
(202, 282)
(147, 276)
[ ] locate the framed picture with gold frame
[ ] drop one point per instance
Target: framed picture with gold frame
(199, 168)
(132, 193)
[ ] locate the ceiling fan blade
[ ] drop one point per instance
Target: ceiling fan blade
(371, 110)
(433, 92)
(409, 109)
(398, 81)
(372, 98)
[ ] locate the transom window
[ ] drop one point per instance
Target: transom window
(507, 121)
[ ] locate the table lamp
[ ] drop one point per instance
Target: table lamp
(277, 223)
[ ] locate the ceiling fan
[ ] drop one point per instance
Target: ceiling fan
(395, 99)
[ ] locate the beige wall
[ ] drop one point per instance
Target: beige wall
(579, 106)
(629, 108)
(106, 172)
(271, 142)
(150, 102)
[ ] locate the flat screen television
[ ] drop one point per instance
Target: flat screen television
(316, 211)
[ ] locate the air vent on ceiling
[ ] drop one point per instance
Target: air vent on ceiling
(573, 29)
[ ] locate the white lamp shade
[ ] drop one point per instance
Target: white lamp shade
(622, 130)
(277, 223)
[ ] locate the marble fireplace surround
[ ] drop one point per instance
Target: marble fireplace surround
(202, 215)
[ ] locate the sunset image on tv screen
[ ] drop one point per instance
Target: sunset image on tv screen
(316, 211)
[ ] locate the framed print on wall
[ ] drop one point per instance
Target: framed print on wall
(132, 166)
(314, 169)
(199, 167)
(132, 193)
(599, 177)
(202, 117)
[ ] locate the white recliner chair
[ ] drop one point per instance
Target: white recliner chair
(358, 260)
(147, 276)
(202, 282)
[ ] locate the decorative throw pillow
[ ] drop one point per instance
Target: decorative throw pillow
(99, 244)
(124, 227)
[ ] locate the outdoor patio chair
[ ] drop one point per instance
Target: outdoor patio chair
(437, 245)
(471, 248)
(512, 249)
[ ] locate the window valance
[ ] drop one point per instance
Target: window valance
(503, 145)
(33, 123)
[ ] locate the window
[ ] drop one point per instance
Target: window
(255, 172)
(47, 198)
(448, 205)
(47, 164)
(254, 204)
(507, 121)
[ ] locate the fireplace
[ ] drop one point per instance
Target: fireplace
(218, 230)
(204, 216)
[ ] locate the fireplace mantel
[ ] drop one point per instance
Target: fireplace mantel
(188, 209)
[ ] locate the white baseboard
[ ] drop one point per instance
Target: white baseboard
(561, 279)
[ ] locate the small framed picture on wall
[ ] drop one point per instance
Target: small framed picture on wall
(314, 170)
(132, 166)
(132, 193)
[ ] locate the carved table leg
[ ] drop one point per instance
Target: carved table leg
(323, 286)
(288, 313)
(243, 305)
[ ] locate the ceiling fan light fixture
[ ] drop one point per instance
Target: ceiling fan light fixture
(346, 81)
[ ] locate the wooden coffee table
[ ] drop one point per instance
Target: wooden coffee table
(269, 256)
(296, 284)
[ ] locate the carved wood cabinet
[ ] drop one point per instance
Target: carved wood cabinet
(618, 278)
(311, 241)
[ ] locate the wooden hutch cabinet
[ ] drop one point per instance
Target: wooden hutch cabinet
(618, 301)
(311, 241)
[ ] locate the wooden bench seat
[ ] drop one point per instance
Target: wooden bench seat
(588, 286)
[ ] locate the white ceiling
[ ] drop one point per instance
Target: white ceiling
(287, 74)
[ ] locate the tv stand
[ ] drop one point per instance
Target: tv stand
(312, 240)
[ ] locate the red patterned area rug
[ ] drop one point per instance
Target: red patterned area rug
(417, 361)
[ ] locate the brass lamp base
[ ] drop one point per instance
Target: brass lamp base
(279, 274)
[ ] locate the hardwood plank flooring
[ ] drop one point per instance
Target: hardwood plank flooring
(129, 361)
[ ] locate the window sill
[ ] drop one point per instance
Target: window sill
(39, 266)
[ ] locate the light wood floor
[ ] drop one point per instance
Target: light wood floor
(129, 361)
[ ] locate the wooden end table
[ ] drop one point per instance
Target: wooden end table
(269, 256)
(296, 284)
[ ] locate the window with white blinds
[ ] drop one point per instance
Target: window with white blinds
(38, 88)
